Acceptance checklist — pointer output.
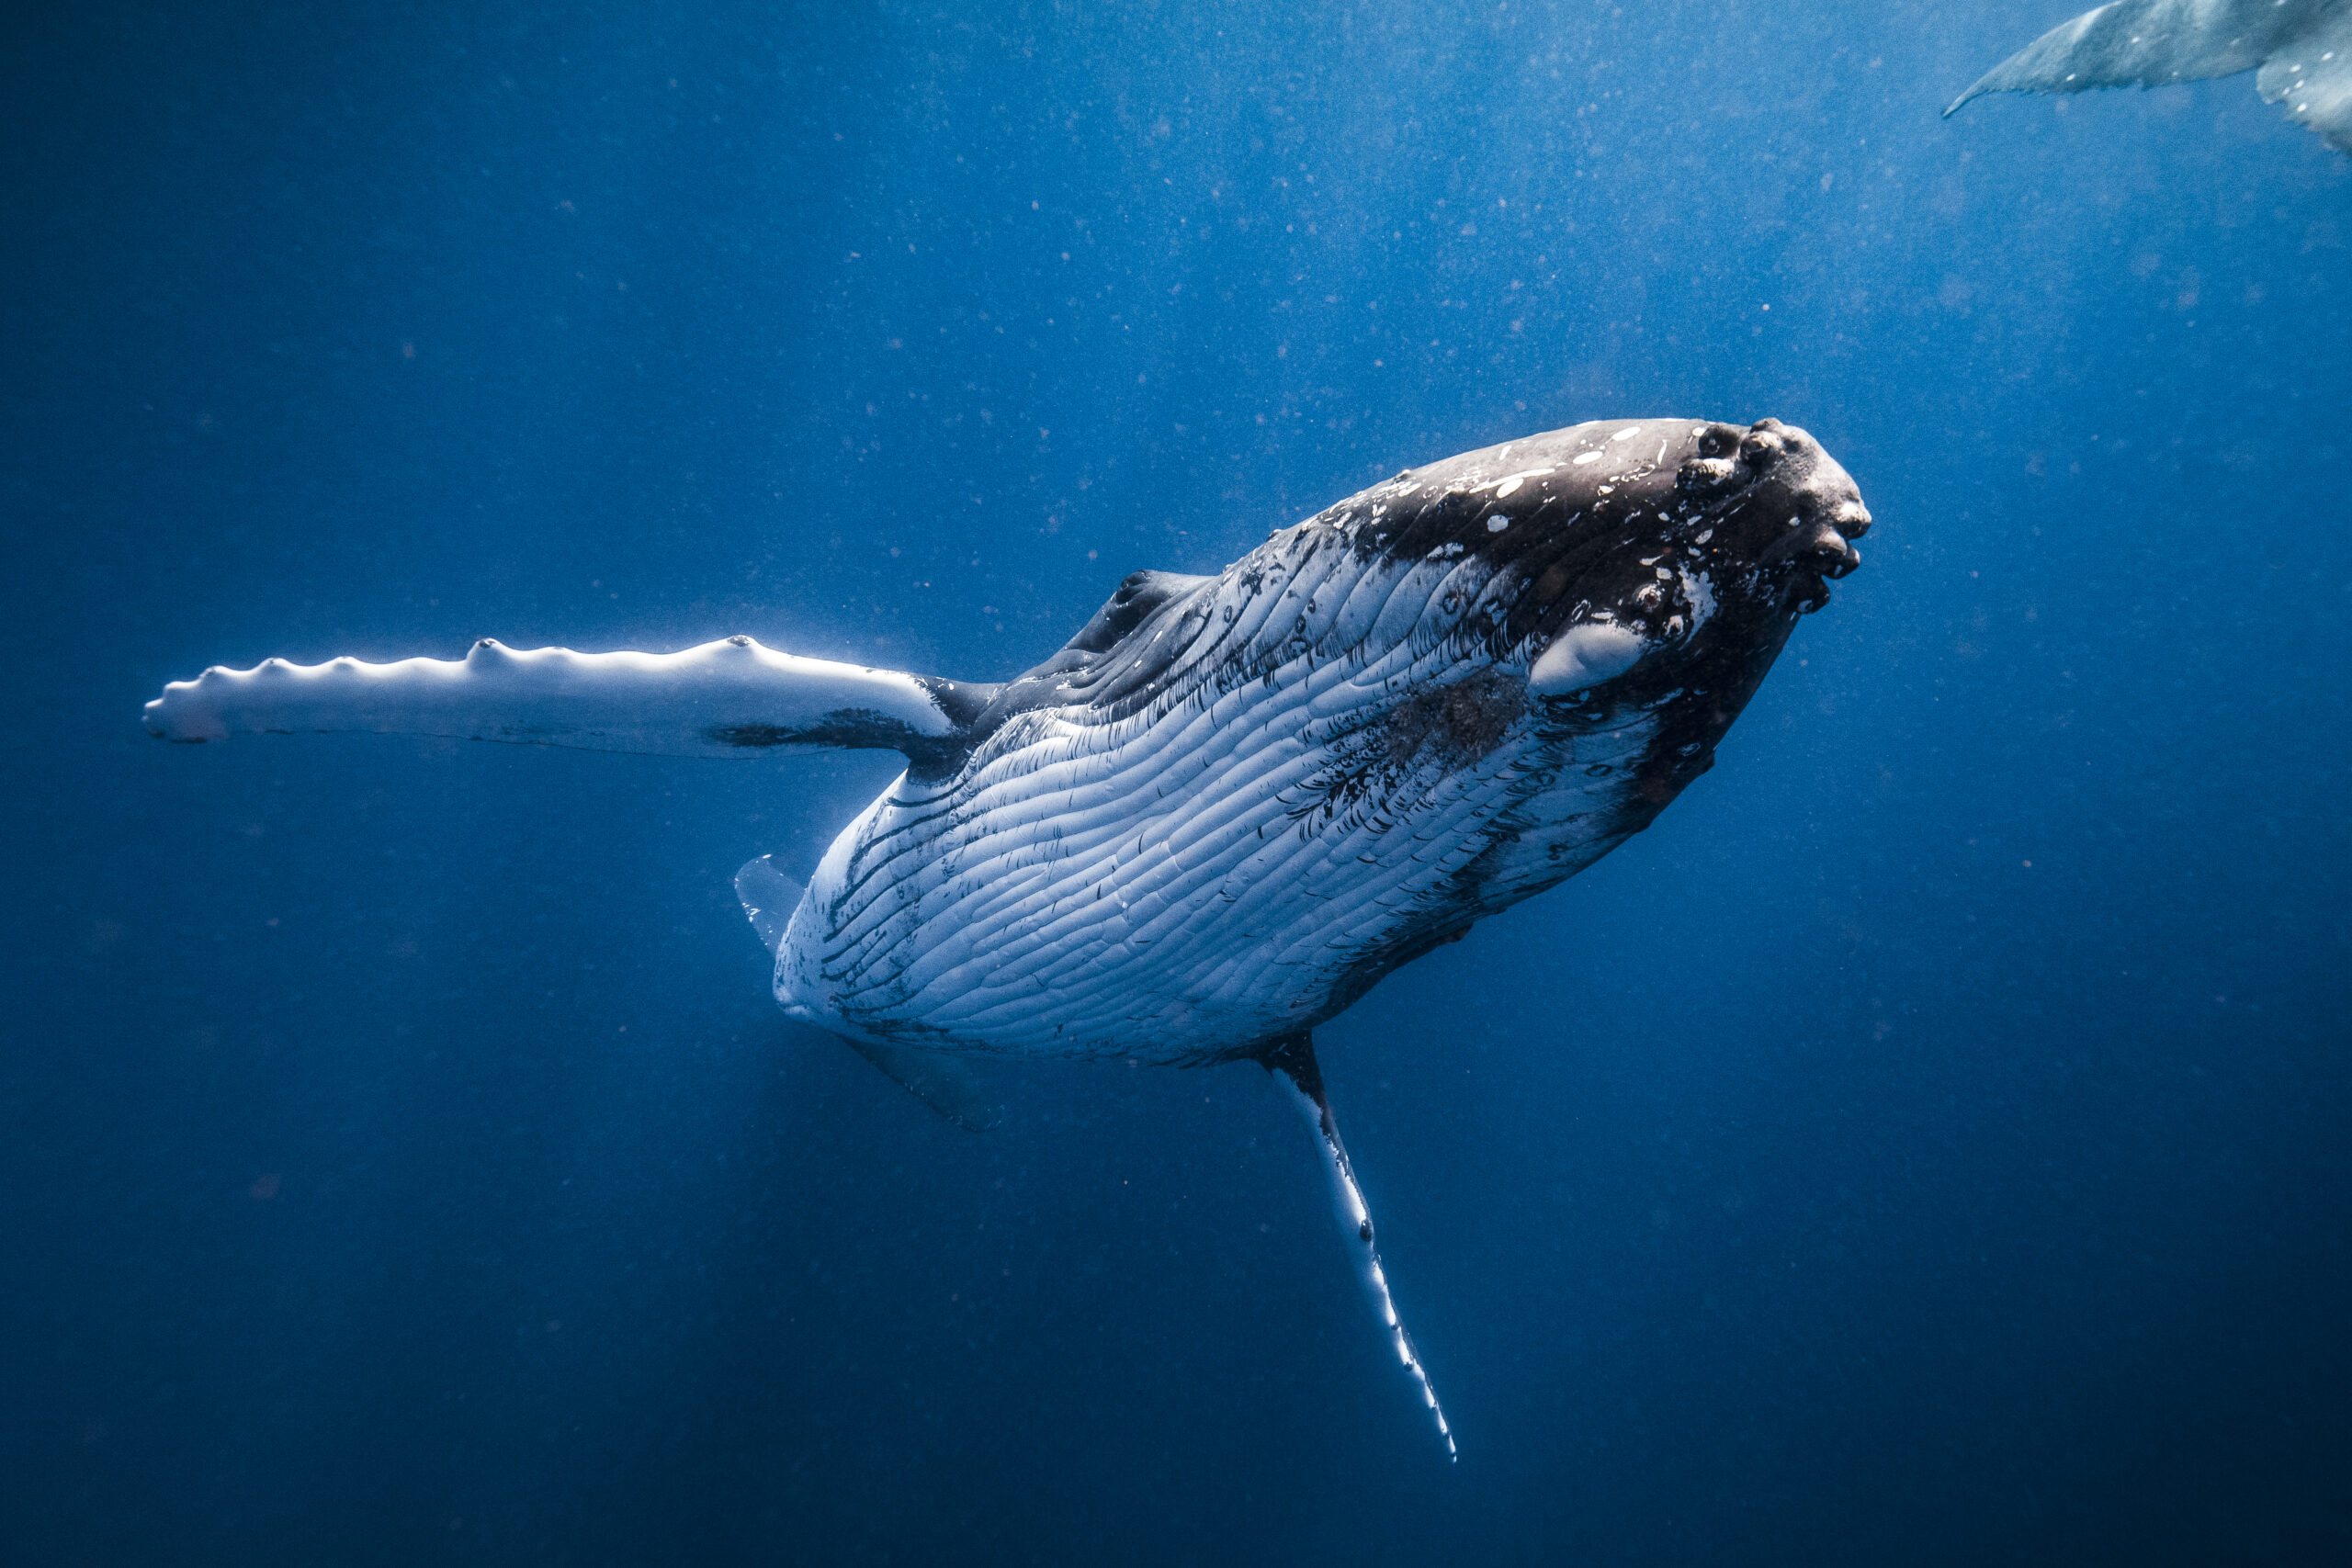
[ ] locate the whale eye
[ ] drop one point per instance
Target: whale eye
(1585, 656)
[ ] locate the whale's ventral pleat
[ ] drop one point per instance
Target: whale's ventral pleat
(939, 1081)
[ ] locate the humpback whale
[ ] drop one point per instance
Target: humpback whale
(1225, 809)
(2302, 48)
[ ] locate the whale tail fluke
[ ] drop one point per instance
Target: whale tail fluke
(2303, 48)
(1292, 1062)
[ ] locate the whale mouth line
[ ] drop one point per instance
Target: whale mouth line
(1821, 551)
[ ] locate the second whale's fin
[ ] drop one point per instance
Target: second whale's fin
(2299, 44)
(1292, 1062)
(2312, 75)
(729, 699)
(939, 1081)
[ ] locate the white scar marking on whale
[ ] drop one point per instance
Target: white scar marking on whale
(1583, 657)
(1699, 593)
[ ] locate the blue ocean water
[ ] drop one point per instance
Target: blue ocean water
(1927, 1143)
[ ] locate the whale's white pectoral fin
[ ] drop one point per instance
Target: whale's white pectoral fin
(2311, 77)
(731, 698)
(2299, 46)
(769, 897)
(1292, 1062)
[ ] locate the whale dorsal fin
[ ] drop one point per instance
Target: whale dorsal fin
(729, 699)
(1130, 604)
(1136, 634)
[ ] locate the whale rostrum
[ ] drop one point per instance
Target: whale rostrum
(2301, 48)
(1225, 809)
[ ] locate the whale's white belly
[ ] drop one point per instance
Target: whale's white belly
(1194, 879)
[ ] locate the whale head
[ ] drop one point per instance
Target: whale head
(1620, 585)
(1628, 570)
(1675, 569)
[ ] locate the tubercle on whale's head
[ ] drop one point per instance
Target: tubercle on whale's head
(1657, 565)
(1693, 564)
(1566, 575)
(1681, 601)
(1674, 535)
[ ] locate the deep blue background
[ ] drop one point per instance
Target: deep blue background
(1927, 1144)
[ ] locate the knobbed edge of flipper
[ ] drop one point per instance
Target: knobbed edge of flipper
(1291, 1060)
(731, 698)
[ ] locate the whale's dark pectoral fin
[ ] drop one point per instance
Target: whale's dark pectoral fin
(731, 698)
(938, 1080)
(1292, 1062)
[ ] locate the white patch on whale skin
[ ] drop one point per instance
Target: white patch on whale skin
(1509, 483)
(1585, 656)
(1699, 593)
